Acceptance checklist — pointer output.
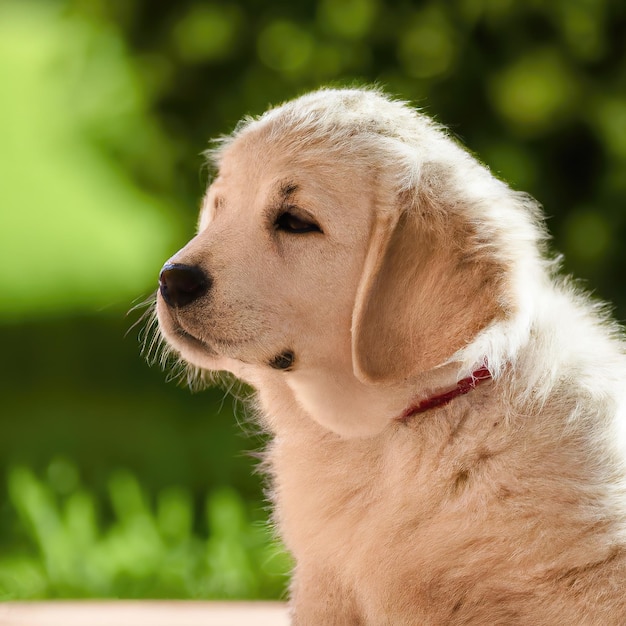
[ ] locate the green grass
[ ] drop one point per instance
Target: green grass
(133, 546)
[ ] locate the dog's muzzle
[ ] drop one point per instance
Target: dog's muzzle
(181, 284)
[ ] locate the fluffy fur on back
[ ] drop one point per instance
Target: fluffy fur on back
(354, 259)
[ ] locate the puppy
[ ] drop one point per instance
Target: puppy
(448, 417)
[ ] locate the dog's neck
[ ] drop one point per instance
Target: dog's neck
(343, 404)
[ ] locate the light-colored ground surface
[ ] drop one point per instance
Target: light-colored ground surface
(129, 613)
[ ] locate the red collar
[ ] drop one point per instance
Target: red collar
(462, 387)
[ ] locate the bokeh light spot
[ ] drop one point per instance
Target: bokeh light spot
(284, 46)
(207, 32)
(427, 48)
(350, 19)
(534, 92)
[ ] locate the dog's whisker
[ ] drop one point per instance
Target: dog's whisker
(145, 318)
(158, 350)
(143, 302)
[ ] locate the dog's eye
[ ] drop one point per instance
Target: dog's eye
(291, 223)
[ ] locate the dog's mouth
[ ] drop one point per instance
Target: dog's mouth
(179, 337)
(196, 346)
(282, 361)
(194, 341)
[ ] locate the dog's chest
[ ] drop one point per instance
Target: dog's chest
(323, 496)
(336, 499)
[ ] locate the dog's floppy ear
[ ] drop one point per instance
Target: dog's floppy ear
(426, 290)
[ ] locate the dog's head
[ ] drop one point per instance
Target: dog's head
(345, 231)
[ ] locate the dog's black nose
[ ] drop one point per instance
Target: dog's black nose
(181, 284)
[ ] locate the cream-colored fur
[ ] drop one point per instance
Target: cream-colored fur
(505, 506)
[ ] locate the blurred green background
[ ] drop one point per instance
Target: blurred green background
(114, 482)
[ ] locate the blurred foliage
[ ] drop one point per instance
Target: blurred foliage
(67, 206)
(145, 550)
(116, 484)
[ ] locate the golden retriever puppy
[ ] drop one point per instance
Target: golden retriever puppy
(448, 417)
